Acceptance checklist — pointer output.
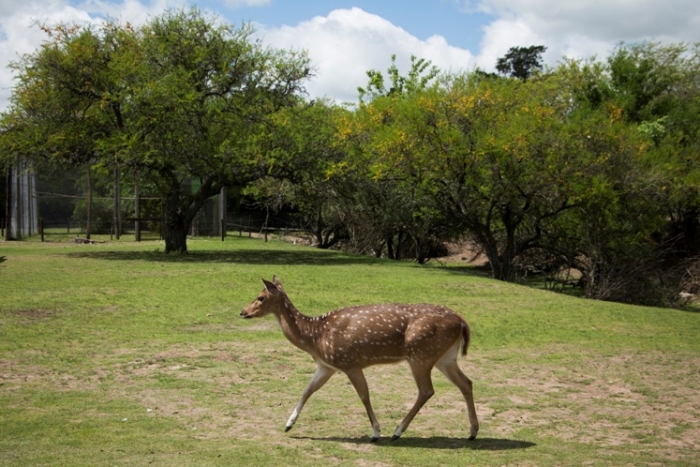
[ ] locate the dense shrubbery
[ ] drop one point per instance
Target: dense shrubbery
(593, 164)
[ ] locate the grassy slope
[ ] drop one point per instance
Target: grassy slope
(115, 354)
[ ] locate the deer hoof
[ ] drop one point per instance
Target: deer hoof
(374, 439)
(395, 437)
(471, 438)
(286, 429)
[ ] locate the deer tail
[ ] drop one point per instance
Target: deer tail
(466, 336)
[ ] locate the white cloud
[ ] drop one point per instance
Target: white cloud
(244, 3)
(345, 44)
(583, 28)
(20, 34)
(612, 20)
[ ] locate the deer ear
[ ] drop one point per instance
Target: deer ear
(272, 288)
(278, 284)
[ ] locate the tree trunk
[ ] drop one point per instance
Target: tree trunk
(180, 210)
(319, 226)
(501, 263)
(691, 231)
(176, 225)
(390, 246)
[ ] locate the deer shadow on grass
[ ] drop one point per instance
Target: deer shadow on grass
(435, 442)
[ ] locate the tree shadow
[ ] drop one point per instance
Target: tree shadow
(256, 256)
(435, 442)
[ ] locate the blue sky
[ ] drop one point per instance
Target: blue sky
(421, 18)
(345, 38)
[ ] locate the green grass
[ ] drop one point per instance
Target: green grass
(115, 354)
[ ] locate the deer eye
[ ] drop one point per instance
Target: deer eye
(260, 299)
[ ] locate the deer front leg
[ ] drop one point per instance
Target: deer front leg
(357, 378)
(322, 375)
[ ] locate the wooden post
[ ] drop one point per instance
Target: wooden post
(222, 212)
(18, 203)
(88, 224)
(8, 207)
(30, 204)
(117, 205)
(137, 212)
(162, 218)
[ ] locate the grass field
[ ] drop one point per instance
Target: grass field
(115, 354)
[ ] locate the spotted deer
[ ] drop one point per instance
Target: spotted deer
(349, 339)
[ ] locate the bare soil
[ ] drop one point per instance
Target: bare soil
(644, 400)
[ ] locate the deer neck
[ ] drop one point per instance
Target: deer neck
(301, 330)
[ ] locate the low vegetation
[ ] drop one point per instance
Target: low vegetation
(115, 354)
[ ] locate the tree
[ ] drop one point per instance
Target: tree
(656, 86)
(501, 160)
(302, 144)
(506, 173)
(521, 62)
(387, 205)
(178, 101)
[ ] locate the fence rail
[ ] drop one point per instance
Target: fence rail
(71, 227)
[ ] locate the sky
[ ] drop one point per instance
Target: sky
(345, 38)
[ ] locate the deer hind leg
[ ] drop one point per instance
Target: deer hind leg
(357, 378)
(421, 373)
(449, 367)
(320, 378)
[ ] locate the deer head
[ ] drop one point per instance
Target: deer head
(267, 301)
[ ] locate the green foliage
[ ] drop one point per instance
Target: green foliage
(558, 163)
(393, 206)
(644, 76)
(419, 78)
(521, 62)
(592, 164)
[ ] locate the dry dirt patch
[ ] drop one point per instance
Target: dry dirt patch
(611, 401)
(31, 314)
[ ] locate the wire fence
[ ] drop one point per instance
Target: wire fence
(64, 217)
(55, 208)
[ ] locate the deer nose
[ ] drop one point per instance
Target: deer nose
(244, 314)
